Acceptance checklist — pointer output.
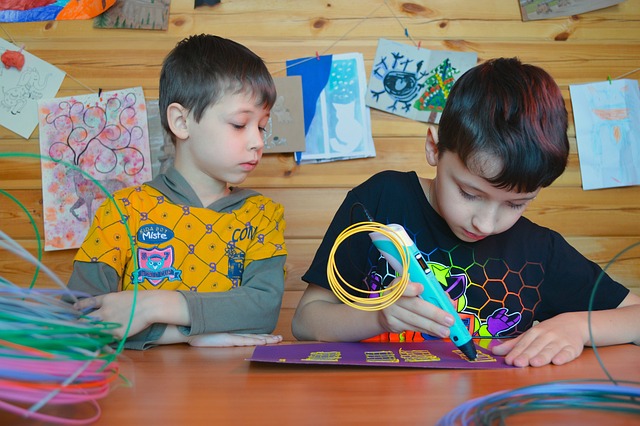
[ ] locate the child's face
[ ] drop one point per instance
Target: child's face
(227, 143)
(471, 206)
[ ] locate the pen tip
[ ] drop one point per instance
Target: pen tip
(469, 350)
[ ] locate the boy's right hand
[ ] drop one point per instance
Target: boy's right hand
(149, 307)
(411, 312)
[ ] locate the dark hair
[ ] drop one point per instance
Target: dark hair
(511, 111)
(203, 68)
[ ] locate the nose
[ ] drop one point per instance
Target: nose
(485, 219)
(256, 140)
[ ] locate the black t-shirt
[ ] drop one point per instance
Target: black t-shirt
(502, 284)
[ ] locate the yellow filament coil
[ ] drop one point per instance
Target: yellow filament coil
(384, 298)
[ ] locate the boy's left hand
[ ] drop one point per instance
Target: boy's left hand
(557, 340)
(220, 340)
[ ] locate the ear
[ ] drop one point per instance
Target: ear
(177, 118)
(431, 145)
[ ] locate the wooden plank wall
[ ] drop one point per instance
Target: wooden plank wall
(585, 48)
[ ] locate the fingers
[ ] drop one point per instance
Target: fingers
(414, 313)
(413, 289)
(537, 349)
(271, 338)
(88, 304)
(233, 339)
(504, 348)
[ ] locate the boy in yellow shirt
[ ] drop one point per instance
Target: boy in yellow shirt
(213, 253)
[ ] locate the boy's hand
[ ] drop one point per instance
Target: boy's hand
(150, 306)
(557, 340)
(233, 339)
(410, 312)
(115, 308)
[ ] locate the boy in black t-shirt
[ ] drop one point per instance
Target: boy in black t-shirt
(501, 138)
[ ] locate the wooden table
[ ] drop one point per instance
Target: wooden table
(181, 385)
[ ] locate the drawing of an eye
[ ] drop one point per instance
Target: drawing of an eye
(400, 84)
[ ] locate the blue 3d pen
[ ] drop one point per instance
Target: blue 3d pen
(419, 272)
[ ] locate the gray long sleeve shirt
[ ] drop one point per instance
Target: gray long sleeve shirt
(252, 307)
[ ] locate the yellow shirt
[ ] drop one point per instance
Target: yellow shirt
(178, 247)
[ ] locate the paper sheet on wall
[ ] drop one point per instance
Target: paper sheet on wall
(49, 10)
(414, 82)
(135, 14)
(106, 137)
(285, 131)
(427, 354)
(549, 9)
(22, 88)
(607, 121)
(337, 121)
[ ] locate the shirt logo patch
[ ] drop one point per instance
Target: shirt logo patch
(155, 265)
(154, 234)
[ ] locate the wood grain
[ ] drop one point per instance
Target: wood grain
(577, 49)
(180, 385)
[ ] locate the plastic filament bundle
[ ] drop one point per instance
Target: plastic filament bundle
(51, 354)
(493, 409)
(366, 300)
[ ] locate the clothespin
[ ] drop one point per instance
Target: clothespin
(419, 43)
(406, 33)
(12, 58)
(317, 55)
(99, 97)
(609, 78)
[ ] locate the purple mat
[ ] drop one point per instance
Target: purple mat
(427, 354)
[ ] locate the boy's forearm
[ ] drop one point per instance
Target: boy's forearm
(163, 306)
(334, 322)
(613, 326)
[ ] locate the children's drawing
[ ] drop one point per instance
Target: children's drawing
(547, 9)
(50, 10)
(607, 121)
(285, 131)
(413, 82)
(24, 81)
(96, 144)
(337, 122)
(135, 14)
(429, 354)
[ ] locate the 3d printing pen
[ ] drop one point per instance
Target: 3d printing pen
(419, 272)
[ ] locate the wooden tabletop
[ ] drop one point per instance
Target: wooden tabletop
(181, 385)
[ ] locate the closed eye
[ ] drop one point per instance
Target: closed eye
(516, 206)
(466, 195)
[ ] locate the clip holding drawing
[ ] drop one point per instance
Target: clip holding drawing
(13, 58)
(99, 97)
